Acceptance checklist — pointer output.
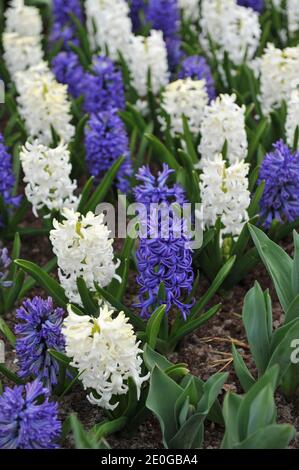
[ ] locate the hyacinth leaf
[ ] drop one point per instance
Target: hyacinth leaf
(282, 353)
(70, 385)
(30, 282)
(193, 324)
(278, 263)
(254, 205)
(44, 280)
(189, 140)
(85, 193)
(295, 270)
(231, 406)
(164, 154)
(82, 35)
(83, 439)
(13, 293)
(293, 311)
(60, 357)
(139, 122)
(214, 287)
(274, 436)
(15, 253)
(152, 358)
(242, 372)
(190, 435)
(107, 428)
(162, 396)
(296, 139)
(258, 407)
(10, 375)
(86, 296)
(103, 188)
(153, 326)
(134, 319)
(257, 319)
(253, 146)
(6, 331)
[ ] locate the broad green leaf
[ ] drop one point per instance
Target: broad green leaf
(231, 406)
(153, 326)
(10, 375)
(163, 152)
(109, 427)
(88, 302)
(295, 270)
(278, 264)
(275, 436)
(45, 281)
(242, 372)
(257, 319)
(4, 328)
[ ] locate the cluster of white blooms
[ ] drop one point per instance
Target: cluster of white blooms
(43, 102)
(22, 37)
(190, 9)
(109, 25)
(223, 121)
(293, 16)
(106, 353)
(225, 195)
(292, 120)
(187, 98)
(47, 174)
(21, 52)
(279, 76)
(23, 19)
(233, 28)
(83, 249)
(148, 53)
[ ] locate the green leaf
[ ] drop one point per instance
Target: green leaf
(44, 280)
(4, 328)
(278, 263)
(293, 311)
(109, 427)
(231, 406)
(275, 436)
(85, 193)
(88, 302)
(242, 372)
(10, 375)
(83, 440)
(153, 326)
(134, 319)
(30, 282)
(192, 324)
(214, 287)
(257, 319)
(162, 395)
(152, 358)
(163, 152)
(295, 270)
(60, 357)
(103, 188)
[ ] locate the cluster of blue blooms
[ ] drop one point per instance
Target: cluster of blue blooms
(27, 419)
(280, 171)
(197, 68)
(38, 330)
(63, 27)
(7, 180)
(165, 258)
(257, 5)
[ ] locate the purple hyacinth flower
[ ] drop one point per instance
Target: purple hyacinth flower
(136, 7)
(27, 419)
(105, 141)
(7, 180)
(69, 71)
(5, 262)
(164, 15)
(280, 171)
(197, 68)
(103, 88)
(163, 255)
(38, 330)
(63, 28)
(257, 5)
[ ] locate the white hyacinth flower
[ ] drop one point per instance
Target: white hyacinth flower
(293, 16)
(279, 76)
(84, 250)
(47, 174)
(223, 120)
(109, 25)
(187, 98)
(23, 20)
(21, 52)
(43, 102)
(106, 353)
(148, 53)
(292, 121)
(234, 29)
(190, 9)
(225, 195)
